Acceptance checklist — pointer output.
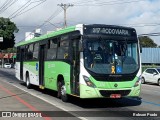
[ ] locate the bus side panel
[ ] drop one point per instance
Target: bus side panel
(17, 70)
(52, 70)
(32, 68)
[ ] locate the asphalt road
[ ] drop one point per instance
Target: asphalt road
(19, 98)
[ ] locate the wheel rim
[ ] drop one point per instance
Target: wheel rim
(142, 81)
(63, 90)
(27, 81)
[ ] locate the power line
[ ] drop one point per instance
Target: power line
(4, 5)
(141, 24)
(19, 9)
(108, 3)
(9, 5)
(95, 1)
(27, 10)
(86, 1)
(57, 12)
(26, 5)
(129, 25)
(150, 34)
(49, 23)
(65, 7)
(54, 14)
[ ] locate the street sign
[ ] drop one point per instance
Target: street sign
(1, 39)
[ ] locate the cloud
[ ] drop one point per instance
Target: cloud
(138, 14)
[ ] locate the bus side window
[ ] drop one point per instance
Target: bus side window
(63, 50)
(52, 48)
(35, 51)
(30, 52)
(26, 52)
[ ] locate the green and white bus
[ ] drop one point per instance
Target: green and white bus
(87, 61)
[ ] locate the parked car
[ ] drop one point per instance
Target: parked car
(7, 65)
(151, 75)
(12, 65)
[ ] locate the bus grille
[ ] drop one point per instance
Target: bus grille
(107, 93)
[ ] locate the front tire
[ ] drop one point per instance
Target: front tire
(62, 91)
(59, 89)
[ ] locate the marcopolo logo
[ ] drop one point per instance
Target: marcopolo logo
(115, 85)
(111, 31)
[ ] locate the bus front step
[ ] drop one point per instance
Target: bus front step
(41, 87)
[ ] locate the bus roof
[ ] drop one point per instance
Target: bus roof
(66, 30)
(45, 36)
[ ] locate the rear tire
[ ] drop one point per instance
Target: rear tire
(142, 80)
(28, 85)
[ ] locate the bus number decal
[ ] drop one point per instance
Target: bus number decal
(51, 65)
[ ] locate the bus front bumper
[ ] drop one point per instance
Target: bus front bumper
(90, 92)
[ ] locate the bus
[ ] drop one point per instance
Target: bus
(85, 60)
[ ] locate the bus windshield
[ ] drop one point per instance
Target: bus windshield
(111, 56)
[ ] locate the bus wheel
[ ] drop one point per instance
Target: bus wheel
(28, 82)
(142, 80)
(62, 90)
(59, 89)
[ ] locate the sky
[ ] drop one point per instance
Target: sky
(28, 15)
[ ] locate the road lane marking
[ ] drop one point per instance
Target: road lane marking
(82, 118)
(151, 103)
(23, 102)
(37, 96)
(144, 101)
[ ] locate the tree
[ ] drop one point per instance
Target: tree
(10, 50)
(7, 30)
(146, 41)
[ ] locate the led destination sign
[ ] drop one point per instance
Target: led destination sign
(110, 31)
(113, 31)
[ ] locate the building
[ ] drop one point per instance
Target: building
(150, 56)
(7, 58)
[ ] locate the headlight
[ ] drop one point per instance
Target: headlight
(138, 82)
(88, 81)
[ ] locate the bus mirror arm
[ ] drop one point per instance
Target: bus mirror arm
(140, 48)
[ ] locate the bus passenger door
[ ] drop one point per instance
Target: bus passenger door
(41, 65)
(75, 68)
(21, 63)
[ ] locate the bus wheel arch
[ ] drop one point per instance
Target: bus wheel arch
(61, 88)
(28, 85)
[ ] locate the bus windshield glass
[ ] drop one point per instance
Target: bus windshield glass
(107, 56)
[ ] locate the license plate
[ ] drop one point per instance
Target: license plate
(115, 96)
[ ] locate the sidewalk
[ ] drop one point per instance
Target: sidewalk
(15, 104)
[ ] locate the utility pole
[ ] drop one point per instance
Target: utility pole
(64, 7)
(1, 40)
